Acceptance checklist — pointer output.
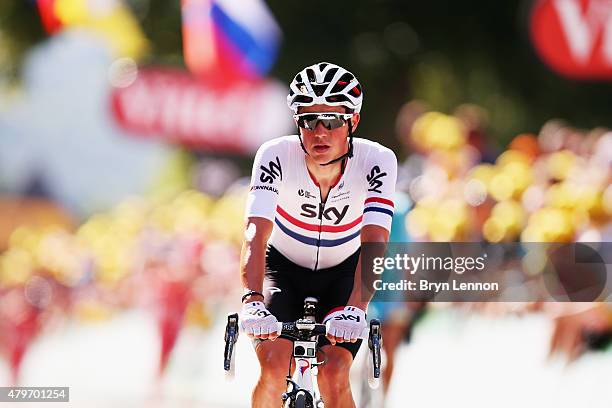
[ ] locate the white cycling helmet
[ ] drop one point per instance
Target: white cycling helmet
(325, 84)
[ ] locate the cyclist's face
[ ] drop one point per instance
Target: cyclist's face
(323, 144)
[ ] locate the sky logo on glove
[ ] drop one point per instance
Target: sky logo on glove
(347, 317)
(259, 312)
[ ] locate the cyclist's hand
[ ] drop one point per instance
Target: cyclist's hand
(345, 325)
(256, 321)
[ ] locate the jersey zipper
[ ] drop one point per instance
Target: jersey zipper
(321, 210)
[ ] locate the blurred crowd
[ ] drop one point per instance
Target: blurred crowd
(551, 187)
(176, 255)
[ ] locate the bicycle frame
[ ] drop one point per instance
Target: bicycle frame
(304, 365)
(303, 379)
(305, 358)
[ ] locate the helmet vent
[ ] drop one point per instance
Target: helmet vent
(310, 74)
(330, 75)
(356, 91)
(342, 83)
(302, 99)
(319, 89)
(337, 98)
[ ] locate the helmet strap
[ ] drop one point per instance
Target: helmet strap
(302, 143)
(346, 155)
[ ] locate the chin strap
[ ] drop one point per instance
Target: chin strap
(344, 157)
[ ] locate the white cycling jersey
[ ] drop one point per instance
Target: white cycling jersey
(309, 232)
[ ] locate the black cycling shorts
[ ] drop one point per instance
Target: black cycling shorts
(287, 285)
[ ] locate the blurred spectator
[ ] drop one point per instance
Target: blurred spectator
(574, 327)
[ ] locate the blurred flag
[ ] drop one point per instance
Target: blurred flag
(229, 38)
(109, 18)
(46, 9)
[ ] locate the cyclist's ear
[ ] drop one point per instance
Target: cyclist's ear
(355, 121)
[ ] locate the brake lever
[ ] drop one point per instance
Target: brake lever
(374, 344)
(231, 337)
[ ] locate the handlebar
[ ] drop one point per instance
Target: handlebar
(305, 329)
(296, 329)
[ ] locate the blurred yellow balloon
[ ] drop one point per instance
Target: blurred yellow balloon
(559, 164)
(502, 186)
(435, 130)
(16, 267)
(198, 315)
(482, 172)
(506, 222)
(92, 311)
(495, 230)
(512, 156)
(549, 225)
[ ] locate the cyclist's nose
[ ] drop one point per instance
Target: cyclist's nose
(320, 130)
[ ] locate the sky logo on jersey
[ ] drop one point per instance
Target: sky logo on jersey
(233, 39)
(310, 211)
(270, 173)
(374, 179)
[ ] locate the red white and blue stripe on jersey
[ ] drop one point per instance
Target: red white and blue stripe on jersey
(295, 228)
(379, 204)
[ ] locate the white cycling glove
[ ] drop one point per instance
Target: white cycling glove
(348, 323)
(256, 320)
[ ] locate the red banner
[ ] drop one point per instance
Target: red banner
(215, 116)
(574, 37)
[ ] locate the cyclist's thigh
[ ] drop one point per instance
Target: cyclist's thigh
(338, 361)
(274, 355)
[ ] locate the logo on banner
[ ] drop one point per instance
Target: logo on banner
(172, 105)
(574, 37)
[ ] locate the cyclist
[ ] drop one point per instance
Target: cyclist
(314, 198)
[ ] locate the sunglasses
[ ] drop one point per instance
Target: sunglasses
(329, 120)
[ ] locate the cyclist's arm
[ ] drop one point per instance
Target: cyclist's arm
(253, 255)
(381, 177)
(266, 180)
(362, 292)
